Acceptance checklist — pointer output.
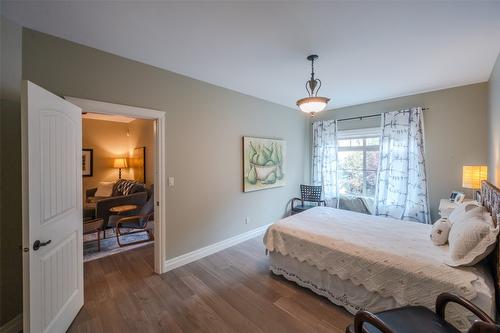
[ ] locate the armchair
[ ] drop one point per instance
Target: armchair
(418, 319)
(137, 222)
(308, 193)
(98, 207)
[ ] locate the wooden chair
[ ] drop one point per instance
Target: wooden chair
(94, 226)
(308, 193)
(137, 222)
(419, 319)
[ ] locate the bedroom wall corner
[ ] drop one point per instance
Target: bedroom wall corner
(494, 125)
(205, 126)
(456, 132)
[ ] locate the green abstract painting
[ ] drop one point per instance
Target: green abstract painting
(264, 163)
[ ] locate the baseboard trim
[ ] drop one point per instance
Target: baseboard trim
(187, 258)
(15, 325)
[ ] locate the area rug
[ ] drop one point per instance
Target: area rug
(109, 245)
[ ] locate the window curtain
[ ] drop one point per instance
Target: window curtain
(324, 159)
(401, 183)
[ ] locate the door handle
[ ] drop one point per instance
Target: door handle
(37, 244)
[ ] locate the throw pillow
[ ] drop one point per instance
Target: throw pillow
(460, 211)
(471, 238)
(104, 189)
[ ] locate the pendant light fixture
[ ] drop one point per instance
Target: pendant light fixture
(313, 103)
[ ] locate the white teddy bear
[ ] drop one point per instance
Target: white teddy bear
(440, 231)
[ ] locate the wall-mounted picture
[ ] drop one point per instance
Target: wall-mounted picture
(87, 162)
(264, 163)
(138, 164)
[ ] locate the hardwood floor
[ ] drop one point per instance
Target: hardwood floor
(230, 291)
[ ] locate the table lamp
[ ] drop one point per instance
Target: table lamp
(472, 176)
(120, 163)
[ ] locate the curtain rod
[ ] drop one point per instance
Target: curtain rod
(370, 116)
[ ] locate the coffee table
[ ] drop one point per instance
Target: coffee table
(122, 209)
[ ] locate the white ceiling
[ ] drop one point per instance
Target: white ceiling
(368, 50)
(107, 117)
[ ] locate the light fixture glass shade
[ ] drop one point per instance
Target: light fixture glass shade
(312, 104)
(120, 163)
(472, 175)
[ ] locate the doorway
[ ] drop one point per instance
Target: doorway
(117, 183)
(157, 119)
(52, 202)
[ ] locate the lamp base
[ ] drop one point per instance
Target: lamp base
(474, 190)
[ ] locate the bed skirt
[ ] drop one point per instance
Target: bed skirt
(355, 298)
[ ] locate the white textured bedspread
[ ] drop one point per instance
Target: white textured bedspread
(391, 257)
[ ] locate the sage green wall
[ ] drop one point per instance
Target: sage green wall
(494, 123)
(205, 125)
(456, 132)
(10, 172)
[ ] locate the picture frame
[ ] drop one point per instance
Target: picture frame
(138, 164)
(87, 162)
(264, 163)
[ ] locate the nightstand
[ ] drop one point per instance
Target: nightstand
(446, 206)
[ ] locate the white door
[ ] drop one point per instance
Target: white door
(52, 210)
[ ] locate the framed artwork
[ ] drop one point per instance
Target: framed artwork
(264, 162)
(138, 164)
(87, 162)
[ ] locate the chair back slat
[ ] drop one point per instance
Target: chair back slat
(311, 193)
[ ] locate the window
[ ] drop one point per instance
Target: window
(358, 157)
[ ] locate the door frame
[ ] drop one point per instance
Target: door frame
(160, 167)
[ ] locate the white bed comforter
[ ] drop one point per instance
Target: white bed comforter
(391, 257)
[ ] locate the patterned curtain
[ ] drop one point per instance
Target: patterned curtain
(402, 185)
(324, 159)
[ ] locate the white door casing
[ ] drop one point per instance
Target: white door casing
(160, 153)
(52, 210)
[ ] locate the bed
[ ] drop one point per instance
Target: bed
(364, 262)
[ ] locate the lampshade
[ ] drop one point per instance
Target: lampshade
(472, 175)
(120, 163)
(312, 104)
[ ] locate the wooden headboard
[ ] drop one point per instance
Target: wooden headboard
(490, 198)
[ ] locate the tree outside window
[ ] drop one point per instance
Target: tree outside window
(358, 159)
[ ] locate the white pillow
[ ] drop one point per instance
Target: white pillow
(440, 230)
(104, 189)
(460, 211)
(471, 238)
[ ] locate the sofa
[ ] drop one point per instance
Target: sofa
(124, 192)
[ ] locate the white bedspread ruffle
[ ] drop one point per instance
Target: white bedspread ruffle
(391, 257)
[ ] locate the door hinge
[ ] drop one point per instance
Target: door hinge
(158, 203)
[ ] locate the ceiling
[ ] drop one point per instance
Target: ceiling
(107, 117)
(368, 50)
